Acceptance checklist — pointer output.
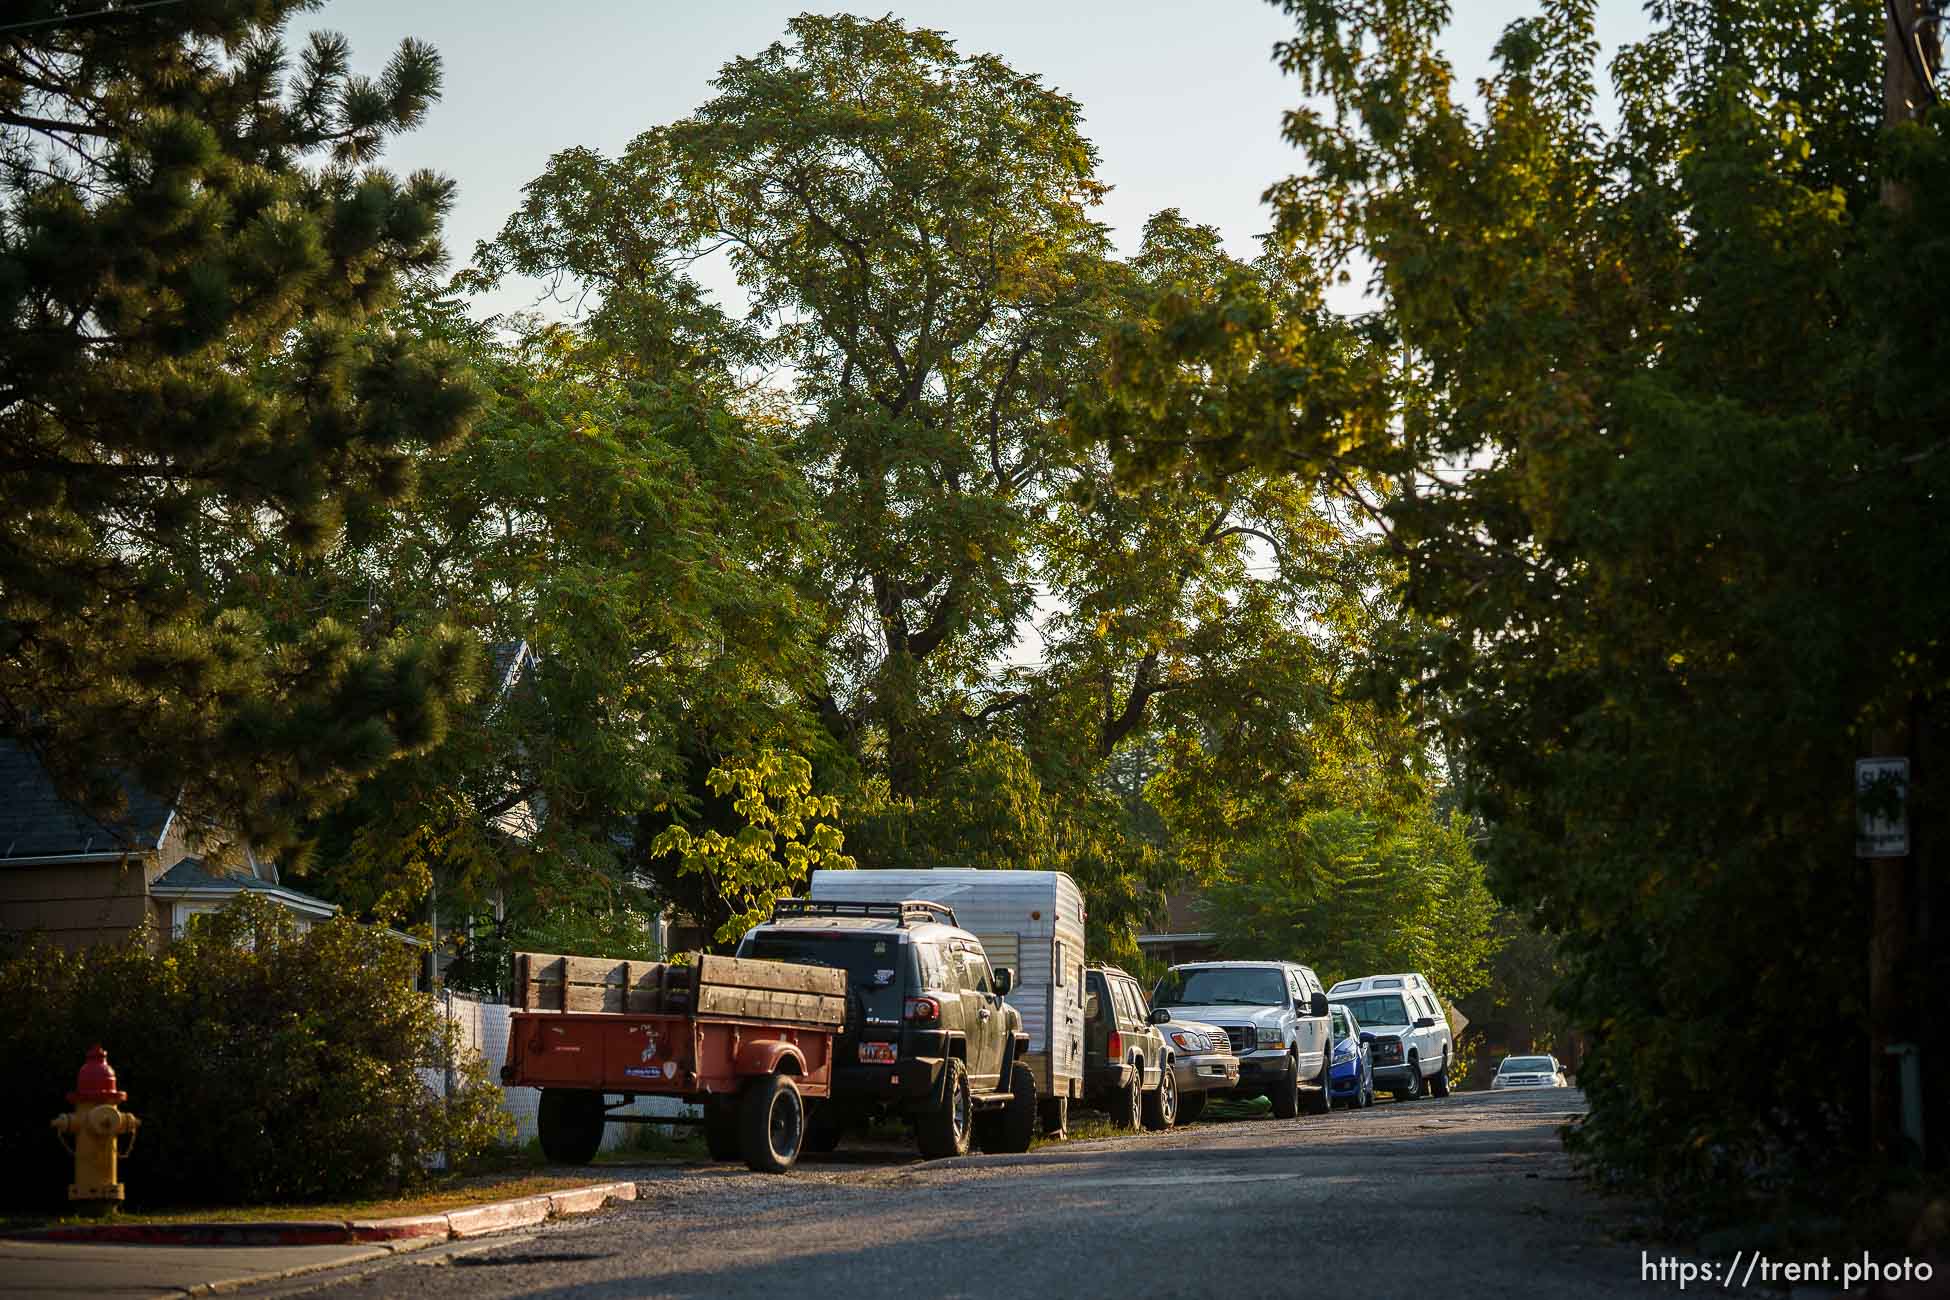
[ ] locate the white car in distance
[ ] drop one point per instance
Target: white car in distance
(1530, 1072)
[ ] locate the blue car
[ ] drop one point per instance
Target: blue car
(1352, 1077)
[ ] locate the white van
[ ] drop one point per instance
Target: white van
(1406, 1029)
(1029, 920)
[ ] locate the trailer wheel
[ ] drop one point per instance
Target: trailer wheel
(721, 1130)
(1056, 1117)
(772, 1122)
(571, 1122)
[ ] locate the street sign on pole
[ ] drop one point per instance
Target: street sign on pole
(1881, 807)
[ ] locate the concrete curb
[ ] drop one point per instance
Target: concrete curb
(421, 1229)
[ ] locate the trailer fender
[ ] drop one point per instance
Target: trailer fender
(768, 1056)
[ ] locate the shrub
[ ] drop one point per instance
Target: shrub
(266, 1064)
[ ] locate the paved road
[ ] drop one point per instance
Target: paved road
(1462, 1197)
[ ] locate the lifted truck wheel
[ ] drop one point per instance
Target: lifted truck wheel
(1286, 1092)
(1055, 1116)
(721, 1130)
(772, 1122)
(571, 1123)
(1009, 1131)
(943, 1131)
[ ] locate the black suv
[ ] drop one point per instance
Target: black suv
(927, 1036)
(1125, 1073)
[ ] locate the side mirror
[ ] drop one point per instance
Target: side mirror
(1426, 1022)
(1319, 1005)
(1005, 979)
(1366, 1036)
(1160, 1016)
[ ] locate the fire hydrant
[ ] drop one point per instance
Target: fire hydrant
(95, 1125)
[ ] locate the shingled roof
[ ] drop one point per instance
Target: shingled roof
(36, 822)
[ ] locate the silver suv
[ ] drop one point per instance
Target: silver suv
(1274, 1012)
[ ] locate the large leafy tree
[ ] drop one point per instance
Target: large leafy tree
(195, 245)
(636, 535)
(1651, 413)
(912, 228)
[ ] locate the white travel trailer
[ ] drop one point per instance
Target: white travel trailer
(1029, 920)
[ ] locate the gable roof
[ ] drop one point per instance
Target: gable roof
(190, 879)
(36, 822)
(506, 662)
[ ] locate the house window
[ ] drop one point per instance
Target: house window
(182, 916)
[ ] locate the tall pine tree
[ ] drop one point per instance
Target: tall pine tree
(194, 248)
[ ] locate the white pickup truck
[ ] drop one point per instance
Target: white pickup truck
(1406, 1030)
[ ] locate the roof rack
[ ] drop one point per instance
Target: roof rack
(909, 911)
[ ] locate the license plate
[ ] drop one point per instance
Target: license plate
(877, 1053)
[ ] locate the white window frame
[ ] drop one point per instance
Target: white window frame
(181, 912)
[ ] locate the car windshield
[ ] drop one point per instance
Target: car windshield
(1379, 1009)
(1527, 1065)
(874, 963)
(1214, 986)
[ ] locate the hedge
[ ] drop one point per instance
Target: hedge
(267, 1065)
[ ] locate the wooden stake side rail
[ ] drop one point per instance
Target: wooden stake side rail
(708, 986)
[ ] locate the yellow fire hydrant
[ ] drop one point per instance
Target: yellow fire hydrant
(95, 1125)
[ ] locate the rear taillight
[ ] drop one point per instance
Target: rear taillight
(923, 1009)
(1114, 1046)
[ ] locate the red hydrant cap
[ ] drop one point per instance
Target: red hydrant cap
(95, 1080)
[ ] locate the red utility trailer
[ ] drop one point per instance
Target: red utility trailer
(750, 1041)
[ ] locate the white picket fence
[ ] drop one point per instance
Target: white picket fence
(483, 1030)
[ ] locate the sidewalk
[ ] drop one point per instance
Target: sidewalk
(178, 1259)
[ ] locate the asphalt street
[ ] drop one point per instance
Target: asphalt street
(1471, 1195)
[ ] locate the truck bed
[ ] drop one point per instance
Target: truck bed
(695, 1029)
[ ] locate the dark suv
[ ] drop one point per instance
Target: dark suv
(1124, 1058)
(927, 1035)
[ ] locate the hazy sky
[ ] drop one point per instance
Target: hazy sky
(1182, 99)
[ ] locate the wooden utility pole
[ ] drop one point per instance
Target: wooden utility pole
(1903, 98)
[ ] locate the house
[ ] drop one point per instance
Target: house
(82, 881)
(1187, 934)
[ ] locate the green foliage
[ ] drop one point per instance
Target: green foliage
(194, 248)
(266, 1065)
(636, 533)
(788, 832)
(913, 228)
(1352, 895)
(1463, 1061)
(1650, 419)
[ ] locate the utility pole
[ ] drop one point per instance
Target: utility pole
(1903, 98)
